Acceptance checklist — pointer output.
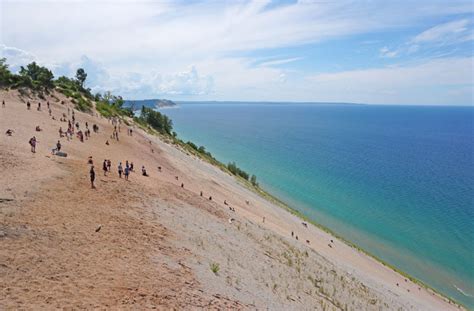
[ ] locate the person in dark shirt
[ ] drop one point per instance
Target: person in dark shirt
(92, 175)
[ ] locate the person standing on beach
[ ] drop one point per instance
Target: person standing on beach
(28, 105)
(58, 146)
(109, 164)
(33, 142)
(39, 107)
(3, 104)
(126, 172)
(92, 176)
(104, 167)
(120, 169)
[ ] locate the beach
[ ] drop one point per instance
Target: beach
(155, 242)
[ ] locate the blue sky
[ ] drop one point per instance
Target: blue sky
(377, 52)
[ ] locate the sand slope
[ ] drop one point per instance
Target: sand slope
(157, 240)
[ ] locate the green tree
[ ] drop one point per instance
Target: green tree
(36, 76)
(5, 74)
(167, 124)
(81, 76)
(253, 180)
(156, 120)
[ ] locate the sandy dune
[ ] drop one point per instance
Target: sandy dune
(149, 243)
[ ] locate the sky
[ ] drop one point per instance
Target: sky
(376, 52)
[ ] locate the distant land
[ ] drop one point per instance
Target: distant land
(149, 103)
(265, 102)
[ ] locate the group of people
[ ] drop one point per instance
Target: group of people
(107, 168)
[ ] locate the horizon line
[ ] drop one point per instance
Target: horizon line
(303, 102)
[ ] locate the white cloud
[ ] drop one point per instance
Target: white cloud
(151, 84)
(440, 36)
(186, 83)
(280, 61)
(16, 57)
(424, 83)
(386, 52)
(145, 31)
(446, 33)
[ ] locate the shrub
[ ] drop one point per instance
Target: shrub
(232, 167)
(214, 267)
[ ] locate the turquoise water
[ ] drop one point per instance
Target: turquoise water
(396, 181)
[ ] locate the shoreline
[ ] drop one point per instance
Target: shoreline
(274, 199)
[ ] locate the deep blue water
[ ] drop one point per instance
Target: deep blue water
(397, 181)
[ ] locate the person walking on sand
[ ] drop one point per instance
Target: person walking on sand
(126, 172)
(120, 170)
(3, 104)
(33, 143)
(28, 106)
(104, 167)
(39, 107)
(109, 165)
(92, 175)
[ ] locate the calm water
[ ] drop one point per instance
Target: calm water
(397, 181)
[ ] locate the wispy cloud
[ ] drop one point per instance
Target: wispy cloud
(386, 52)
(445, 33)
(424, 83)
(279, 61)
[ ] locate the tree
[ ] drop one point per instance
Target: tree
(253, 180)
(81, 76)
(167, 124)
(5, 74)
(36, 76)
(158, 121)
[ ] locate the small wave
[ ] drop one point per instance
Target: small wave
(462, 292)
